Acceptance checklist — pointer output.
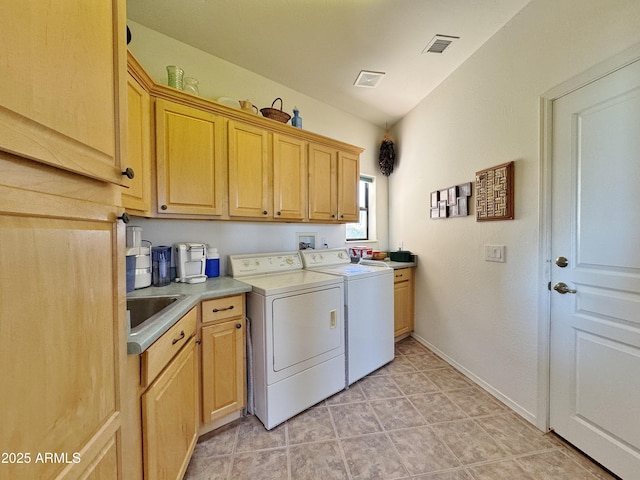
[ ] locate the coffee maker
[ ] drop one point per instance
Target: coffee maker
(191, 261)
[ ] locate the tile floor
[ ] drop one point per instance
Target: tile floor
(416, 418)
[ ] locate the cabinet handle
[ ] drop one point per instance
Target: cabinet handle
(129, 173)
(163, 207)
(216, 310)
(124, 217)
(176, 340)
(238, 325)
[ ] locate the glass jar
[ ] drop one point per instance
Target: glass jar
(191, 85)
(175, 75)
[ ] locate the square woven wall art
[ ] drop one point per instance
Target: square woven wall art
(494, 193)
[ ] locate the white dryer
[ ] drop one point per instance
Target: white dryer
(368, 305)
(297, 333)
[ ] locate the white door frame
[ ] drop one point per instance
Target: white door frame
(594, 73)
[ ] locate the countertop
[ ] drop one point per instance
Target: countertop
(397, 265)
(140, 338)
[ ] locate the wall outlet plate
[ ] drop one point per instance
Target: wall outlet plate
(494, 253)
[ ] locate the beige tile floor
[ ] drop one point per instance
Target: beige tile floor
(416, 418)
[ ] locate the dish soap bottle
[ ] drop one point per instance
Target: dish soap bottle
(212, 266)
(296, 121)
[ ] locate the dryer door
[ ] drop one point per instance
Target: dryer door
(307, 328)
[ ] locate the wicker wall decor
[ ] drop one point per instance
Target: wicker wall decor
(494, 193)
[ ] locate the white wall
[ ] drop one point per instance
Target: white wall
(484, 316)
(219, 78)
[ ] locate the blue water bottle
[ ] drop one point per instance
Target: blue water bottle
(212, 266)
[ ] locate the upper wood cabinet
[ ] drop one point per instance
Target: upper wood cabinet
(267, 174)
(137, 197)
(289, 177)
(333, 185)
(63, 100)
(190, 163)
(215, 161)
(249, 171)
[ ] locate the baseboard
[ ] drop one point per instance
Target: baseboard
(523, 412)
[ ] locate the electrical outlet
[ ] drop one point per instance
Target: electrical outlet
(494, 253)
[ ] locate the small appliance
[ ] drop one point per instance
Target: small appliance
(191, 260)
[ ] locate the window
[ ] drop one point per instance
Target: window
(362, 230)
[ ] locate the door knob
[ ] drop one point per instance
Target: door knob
(562, 288)
(562, 262)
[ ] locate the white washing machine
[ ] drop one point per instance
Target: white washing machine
(368, 308)
(297, 333)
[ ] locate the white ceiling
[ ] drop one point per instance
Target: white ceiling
(318, 47)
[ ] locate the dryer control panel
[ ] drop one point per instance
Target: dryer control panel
(264, 263)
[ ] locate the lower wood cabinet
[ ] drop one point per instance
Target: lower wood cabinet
(403, 299)
(170, 404)
(223, 364)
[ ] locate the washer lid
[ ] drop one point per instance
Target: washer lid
(357, 270)
(277, 283)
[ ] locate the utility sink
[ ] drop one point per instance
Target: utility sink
(143, 309)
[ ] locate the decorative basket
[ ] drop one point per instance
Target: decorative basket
(274, 113)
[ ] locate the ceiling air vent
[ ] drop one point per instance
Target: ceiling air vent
(368, 79)
(439, 43)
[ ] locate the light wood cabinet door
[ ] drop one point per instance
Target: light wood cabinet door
(323, 183)
(249, 171)
(223, 369)
(170, 417)
(403, 300)
(348, 181)
(62, 334)
(289, 178)
(190, 166)
(137, 197)
(63, 74)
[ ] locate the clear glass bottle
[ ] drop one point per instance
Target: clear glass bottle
(191, 85)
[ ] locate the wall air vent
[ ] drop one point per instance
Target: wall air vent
(439, 43)
(368, 79)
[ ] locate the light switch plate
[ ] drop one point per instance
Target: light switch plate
(494, 253)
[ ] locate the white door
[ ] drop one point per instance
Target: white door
(595, 324)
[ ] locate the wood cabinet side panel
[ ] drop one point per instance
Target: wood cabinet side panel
(64, 393)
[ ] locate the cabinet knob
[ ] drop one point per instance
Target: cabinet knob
(342, 216)
(129, 173)
(238, 325)
(279, 213)
(264, 212)
(163, 207)
(333, 215)
(124, 217)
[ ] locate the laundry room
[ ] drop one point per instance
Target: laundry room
(321, 239)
